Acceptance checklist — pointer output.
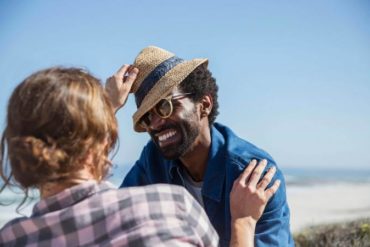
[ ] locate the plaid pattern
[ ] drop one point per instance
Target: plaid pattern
(97, 214)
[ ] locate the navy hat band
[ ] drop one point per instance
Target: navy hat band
(154, 76)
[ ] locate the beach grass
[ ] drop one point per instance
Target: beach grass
(354, 233)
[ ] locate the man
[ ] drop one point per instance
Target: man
(177, 106)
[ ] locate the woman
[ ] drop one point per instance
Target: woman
(60, 130)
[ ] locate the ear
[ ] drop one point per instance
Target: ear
(206, 105)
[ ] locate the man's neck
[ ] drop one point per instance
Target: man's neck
(196, 158)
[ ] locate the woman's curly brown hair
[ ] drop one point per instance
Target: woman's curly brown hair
(55, 117)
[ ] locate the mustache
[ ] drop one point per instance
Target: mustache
(165, 127)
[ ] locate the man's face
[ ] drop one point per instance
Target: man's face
(175, 135)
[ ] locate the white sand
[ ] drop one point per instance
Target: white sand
(328, 203)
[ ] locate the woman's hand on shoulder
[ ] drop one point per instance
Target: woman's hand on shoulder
(249, 195)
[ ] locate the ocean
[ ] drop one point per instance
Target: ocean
(318, 176)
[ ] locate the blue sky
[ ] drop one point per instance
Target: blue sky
(294, 76)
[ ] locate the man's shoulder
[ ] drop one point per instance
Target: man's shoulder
(240, 149)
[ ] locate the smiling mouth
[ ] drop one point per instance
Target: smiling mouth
(166, 138)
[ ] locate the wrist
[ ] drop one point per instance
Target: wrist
(246, 222)
(242, 232)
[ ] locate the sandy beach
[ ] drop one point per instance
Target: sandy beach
(327, 203)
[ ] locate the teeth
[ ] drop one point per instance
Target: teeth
(166, 136)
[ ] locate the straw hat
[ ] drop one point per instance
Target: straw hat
(160, 71)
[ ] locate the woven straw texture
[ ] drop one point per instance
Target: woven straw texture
(147, 60)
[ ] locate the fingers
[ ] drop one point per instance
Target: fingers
(130, 75)
(252, 174)
(127, 73)
(119, 85)
(267, 178)
(272, 190)
(249, 195)
(247, 171)
(256, 175)
(122, 71)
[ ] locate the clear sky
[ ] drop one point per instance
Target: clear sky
(294, 76)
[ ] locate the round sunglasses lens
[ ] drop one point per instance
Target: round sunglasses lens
(164, 108)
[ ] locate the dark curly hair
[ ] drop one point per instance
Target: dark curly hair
(200, 82)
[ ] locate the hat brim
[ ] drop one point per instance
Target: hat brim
(164, 87)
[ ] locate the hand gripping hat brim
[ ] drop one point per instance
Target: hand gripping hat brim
(160, 71)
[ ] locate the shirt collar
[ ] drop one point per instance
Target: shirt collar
(70, 196)
(215, 171)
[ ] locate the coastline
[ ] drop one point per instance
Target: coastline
(325, 203)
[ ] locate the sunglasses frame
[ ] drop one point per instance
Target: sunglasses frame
(169, 99)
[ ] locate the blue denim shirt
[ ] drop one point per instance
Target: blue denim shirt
(228, 157)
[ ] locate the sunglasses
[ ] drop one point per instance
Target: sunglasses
(162, 109)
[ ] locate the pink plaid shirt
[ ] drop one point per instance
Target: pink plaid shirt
(97, 214)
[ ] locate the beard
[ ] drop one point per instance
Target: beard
(189, 131)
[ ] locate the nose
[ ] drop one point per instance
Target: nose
(156, 122)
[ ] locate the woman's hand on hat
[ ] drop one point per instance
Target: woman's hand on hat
(118, 86)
